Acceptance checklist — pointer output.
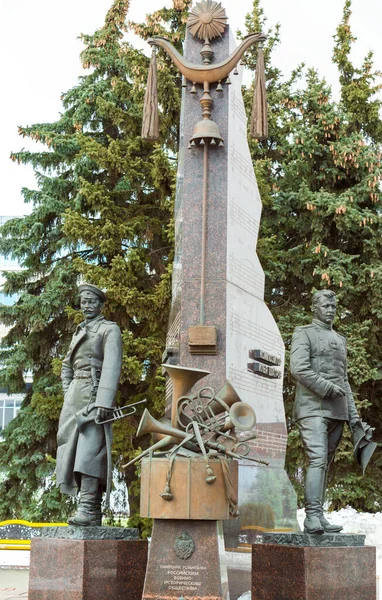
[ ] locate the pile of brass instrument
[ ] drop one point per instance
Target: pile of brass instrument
(203, 423)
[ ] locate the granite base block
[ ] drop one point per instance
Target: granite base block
(186, 560)
(282, 572)
(306, 539)
(90, 533)
(74, 569)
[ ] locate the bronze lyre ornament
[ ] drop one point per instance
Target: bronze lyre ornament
(207, 20)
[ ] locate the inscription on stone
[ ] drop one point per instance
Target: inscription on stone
(265, 357)
(264, 370)
(182, 578)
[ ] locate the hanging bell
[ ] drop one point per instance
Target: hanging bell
(192, 144)
(221, 144)
(184, 82)
(193, 89)
(189, 146)
(228, 81)
(219, 87)
(212, 142)
(235, 71)
(202, 142)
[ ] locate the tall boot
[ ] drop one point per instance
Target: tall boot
(328, 527)
(314, 481)
(89, 509)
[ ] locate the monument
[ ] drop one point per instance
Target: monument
(321, 562)
(219, 321)
(86, 560)
(90, 377)
(324, 403)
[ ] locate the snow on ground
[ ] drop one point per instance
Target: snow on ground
(353, 522)
(14, 558)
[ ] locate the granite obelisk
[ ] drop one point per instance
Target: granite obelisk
(248, 349)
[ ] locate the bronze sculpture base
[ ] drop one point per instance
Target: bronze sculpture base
(186, 561)
(192, 497)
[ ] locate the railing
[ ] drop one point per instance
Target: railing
(20, 533)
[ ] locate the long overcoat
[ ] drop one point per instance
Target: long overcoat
(95, 352)
(317, 361)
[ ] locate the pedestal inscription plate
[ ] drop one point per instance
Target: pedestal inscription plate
(186, 560)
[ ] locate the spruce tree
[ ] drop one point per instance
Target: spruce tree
(319, 176)
(102, 212)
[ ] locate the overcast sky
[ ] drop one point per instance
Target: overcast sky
(40, 57)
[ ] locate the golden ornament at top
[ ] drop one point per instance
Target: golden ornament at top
(207, 20)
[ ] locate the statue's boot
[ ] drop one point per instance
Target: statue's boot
(314, 481)
(328, 527)
(89, 508)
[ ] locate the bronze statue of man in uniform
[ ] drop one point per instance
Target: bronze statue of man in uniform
(90, 376)
(323, 402)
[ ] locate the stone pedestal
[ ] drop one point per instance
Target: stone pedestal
(186, 560)
(314, 567)
(91, 563)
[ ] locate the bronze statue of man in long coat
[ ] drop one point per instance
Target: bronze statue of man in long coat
(90, 376)
(323, 403)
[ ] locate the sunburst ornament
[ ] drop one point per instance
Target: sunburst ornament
(207, 20)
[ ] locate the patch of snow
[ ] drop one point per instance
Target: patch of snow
(14, 558)
(369, 524)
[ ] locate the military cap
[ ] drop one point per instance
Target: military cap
(88, 287)
(363, 443)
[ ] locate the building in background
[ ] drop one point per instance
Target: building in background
(9, 403)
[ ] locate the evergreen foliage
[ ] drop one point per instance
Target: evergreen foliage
(319, 176)
(102, 212)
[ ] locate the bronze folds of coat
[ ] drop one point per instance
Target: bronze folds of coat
(95, 351)
(317, 361)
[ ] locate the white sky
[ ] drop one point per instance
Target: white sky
(40, 57)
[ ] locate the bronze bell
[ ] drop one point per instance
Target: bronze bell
(206, 130)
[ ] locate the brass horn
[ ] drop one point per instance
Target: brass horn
(206, 406)
(162, 444)
(150, 425)
(183, 378)
(241, 417)
(227, 395)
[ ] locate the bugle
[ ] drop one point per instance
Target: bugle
(117, 413)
